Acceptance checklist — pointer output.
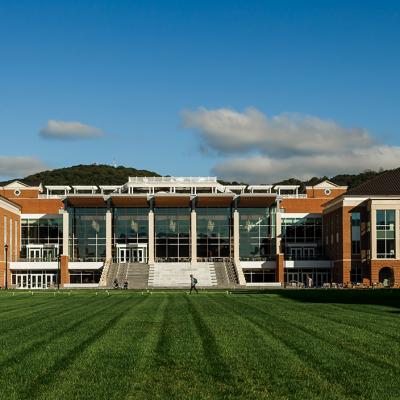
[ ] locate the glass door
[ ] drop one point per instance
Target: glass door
(124, 254)
(292, 276)
(34, 254)
(36, 281)
(296, 252)
(309, 252)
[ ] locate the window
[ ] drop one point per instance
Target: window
(172, 234)
(257, 232)
(385, 233)
(355, 233)
(87, 236)
(213, 232)
(259, 275)
(302, 234)
(46, 232)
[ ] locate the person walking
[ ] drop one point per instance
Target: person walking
(310, 281)
(193, 283)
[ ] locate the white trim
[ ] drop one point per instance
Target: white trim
(33, 266)
(301, 215)
(258, 264)
(318, 264)
(7, 205)
(76, 265)
(38, 216)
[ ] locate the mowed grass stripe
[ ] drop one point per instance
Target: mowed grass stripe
(106, 359)
(275, 360)
(49, 313)
(345, 328)
(70, 346)
(206, 346)
(9, 306)
(33, 336)
(47, 352)
(328, 357)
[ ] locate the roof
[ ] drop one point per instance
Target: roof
(326, 184)
(386, 184)
(10, 202)
(16, 185)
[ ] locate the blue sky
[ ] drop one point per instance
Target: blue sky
(242, 89)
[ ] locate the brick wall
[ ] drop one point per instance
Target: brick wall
(14, 247)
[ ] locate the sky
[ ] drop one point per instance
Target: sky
(254, 91)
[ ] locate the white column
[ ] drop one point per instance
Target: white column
(278, 221)
(65, 233)
(151, 237)
(236, 235)
(108, 234)
(236, 248)
(193, 233)
(373, 232)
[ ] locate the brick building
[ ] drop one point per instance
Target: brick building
(154, 232)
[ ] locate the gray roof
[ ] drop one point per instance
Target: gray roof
(386, 184)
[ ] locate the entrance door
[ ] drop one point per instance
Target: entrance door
(296, 252)
(22, 281)
(304, 277)
(292, 277)
(138, 255)
(124, 255)
(308, 252)
(50, 280)
(34, 254)
(321, 278)
(49, 254)
(36, 281)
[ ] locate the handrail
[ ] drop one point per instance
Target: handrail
(104, 273)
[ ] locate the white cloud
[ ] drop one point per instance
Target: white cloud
(286, 145)
(70, 130)
(255, 169)
(19, 167)
(229, 131)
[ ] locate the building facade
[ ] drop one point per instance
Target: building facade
(164, 227)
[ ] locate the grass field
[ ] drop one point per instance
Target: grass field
(301, 344)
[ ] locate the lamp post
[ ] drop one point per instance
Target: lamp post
(58, 270)
(6, 254)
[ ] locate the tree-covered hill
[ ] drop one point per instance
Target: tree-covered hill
(107, 175)
(350, 180)
(85, 175)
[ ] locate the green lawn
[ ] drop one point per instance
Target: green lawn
(298, 344)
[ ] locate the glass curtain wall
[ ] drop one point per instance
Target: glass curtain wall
(130, 226)
(213, 232)
(302, 238)
(385, 233)
(46, 232)
(87, 236)
(257, 229)
(172, 234)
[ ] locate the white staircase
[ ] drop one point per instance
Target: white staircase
(177, 275)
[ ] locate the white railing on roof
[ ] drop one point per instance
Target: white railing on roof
(172, 179)
(293, 196)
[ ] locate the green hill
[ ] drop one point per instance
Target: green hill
(85, 175)
(107, 175)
